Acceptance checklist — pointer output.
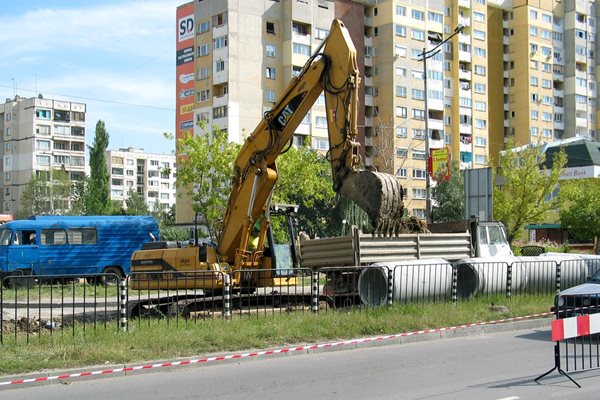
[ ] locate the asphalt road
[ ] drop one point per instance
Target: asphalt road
(489, 366)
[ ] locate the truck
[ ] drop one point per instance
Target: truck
(449, 241)
(56, 245)
(331, 70)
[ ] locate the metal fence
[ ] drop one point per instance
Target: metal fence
(576, 333)
(33, 306)
(36, 305)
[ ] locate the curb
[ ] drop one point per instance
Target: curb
(474, 329)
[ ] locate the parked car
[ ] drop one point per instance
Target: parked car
(579, 300)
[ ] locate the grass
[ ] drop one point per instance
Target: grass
(157, 339)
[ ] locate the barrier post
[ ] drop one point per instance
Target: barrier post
(122, 304)
(314, 292)
(454, 283)
(390, 294)
(509, 280)
(227, 296)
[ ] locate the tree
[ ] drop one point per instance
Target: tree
(204, 171)
(48, 192)
(580, 208)
(98, 194)
(522, 198)
(305, 179)
(449, 195)
(136, 205)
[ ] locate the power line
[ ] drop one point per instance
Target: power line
(97, 100)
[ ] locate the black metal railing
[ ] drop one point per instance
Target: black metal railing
(35, 306)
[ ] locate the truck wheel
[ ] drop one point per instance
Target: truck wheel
(113, 276)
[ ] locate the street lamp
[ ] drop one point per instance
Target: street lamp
(426, 54)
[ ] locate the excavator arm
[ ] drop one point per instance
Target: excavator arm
(333, 71)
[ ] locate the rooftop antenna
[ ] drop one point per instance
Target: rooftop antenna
(14, 87)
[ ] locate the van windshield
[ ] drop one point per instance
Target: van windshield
(5, 237)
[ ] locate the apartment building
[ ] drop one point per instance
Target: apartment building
(38, 137)
(152, 176)
(235, 57)
(521, 69)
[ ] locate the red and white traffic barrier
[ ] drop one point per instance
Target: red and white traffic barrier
(582, 325)
(266, 352)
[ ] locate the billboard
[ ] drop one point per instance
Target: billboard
(185, 57)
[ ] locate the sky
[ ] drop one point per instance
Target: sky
(116, 56)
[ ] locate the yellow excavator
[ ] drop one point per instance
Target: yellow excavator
(333, 70)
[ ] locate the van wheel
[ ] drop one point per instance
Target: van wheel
(19, 282)
(113, 276)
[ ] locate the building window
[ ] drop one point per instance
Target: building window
(220, 65)
(419, 174)
(203, 73)
(219, 20)
(220, 112)
(43, 130)
(418, 154)
(220, 42)
(419, 114)
(418, 15)
(301, 49)
(402, 173)
(271, 27)
(43, 145)
(419, 194)
(401, 152)
(321, 144)
(400, 30)
(321, 34)
(401, 131)
(401, 112)
(203, 50)
(321, 122)
(418, 34)
(42, 161)
(204, 95)
(270, 50)
(270, 72)
(400, 91)
(42, 114)
(203, 27)
(270, 96)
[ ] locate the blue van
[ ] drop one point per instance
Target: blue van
(73, 245)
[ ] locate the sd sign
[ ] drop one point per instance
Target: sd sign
(186, 28)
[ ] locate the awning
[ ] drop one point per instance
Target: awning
(543, 226)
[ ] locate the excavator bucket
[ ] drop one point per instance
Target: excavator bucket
(380, 196)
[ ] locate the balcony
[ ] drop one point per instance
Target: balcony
(220, 100)
(220, 30)
(465, 129)
(368, 100)
(301, 39)
(464, 75)
(369, 141)
(464, 21)
(369, 121)
(464, 56)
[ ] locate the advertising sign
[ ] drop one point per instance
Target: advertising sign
(184, 62)
(440, 163)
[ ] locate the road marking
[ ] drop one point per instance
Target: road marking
(510, 398)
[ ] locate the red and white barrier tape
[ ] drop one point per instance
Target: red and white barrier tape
(265, 352)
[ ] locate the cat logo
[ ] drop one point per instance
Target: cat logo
(185, 261)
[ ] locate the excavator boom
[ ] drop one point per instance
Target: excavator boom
(334, 71)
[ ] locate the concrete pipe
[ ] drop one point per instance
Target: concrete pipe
(541, 272)
(591, 260)
(488, 275)
(413, 280)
